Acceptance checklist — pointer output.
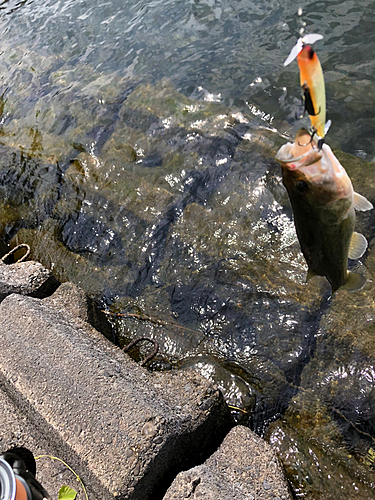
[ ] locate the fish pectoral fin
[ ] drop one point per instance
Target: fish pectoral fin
(361, 203)
(357, 247)
(310, 274)
(354, 282)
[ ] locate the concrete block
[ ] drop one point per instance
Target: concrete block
(244, 468)
(72, 301)
(17, 430)
(125, 431)
(26, 278)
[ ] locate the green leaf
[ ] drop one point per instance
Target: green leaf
(66, 493)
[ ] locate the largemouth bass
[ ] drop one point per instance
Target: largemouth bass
(323, 203)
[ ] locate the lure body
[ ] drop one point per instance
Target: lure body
(312, 82)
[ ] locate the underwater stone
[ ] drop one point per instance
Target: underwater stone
(329, 423)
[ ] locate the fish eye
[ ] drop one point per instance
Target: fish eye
(302, 186)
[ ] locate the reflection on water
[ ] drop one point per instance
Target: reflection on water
(137, 161)
(234, 51)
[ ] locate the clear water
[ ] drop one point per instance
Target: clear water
(137, 145)
(232, 49)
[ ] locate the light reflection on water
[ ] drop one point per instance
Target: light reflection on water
(222, 51)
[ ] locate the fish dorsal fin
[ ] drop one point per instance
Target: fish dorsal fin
(361, 203)
(358, 245)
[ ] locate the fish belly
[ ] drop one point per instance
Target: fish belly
(325, 245)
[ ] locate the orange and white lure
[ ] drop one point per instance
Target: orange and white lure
(312, 83)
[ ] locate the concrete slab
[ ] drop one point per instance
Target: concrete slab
(26, 278)
(125, 431)
(17, 430)
(244, 468)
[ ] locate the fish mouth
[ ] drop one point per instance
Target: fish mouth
(286, 158)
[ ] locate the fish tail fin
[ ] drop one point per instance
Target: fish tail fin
(354, 282)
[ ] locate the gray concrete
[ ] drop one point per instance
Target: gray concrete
(68, 392)
(244, 468)
(125, 431)
(17, 430)
(26, 278)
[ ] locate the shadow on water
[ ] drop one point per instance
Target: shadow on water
(198, 187)
(308, 330)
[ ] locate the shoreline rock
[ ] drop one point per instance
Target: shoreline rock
(68, 391)
(26, 278)
(244, 466)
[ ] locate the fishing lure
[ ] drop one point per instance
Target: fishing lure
(312, 84)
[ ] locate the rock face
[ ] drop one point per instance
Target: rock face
(179, 214)
(126, 432)
(244, 467)
(26, 278)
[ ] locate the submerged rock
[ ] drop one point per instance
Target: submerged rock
(29, 190)
(326, 438)
(317, 461)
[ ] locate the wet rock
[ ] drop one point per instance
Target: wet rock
(230, 379)
(317, 461)
(87, 234)
(203, 241)
(48, 248)
(59, 371)
(26, 278)
(29, 189)
(244, 467)
(153, 160)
